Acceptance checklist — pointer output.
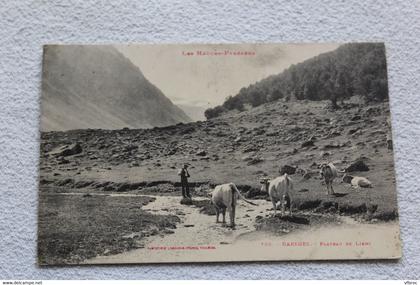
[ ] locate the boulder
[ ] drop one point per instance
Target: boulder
(307, 176)
(186, 201)
(287, 169)
(62, 160)
(358, 165)
(201, 153)
(352, 131)
(68, 150)
(246, 158)
(324, 154)
(307, 143)
(255, 160)
(314, 164)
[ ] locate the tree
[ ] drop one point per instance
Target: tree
(351, 69)
(214, 112)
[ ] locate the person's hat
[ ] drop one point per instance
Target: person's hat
(185, 165)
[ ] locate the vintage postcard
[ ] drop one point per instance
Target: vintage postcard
(215, 153)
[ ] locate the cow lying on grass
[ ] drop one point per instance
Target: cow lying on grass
(357, 181)
(279, 189)
(328, 172)
(224, 197)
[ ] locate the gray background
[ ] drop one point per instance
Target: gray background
(26, 25)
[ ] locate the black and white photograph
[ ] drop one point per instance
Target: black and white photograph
(167, 153)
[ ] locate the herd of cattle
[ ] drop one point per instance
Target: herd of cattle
(225, 196)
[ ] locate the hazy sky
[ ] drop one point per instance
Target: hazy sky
(194, 75)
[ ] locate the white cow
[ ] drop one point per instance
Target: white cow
(329, 173)
(357, 181)
(279, 189)
(224, 197)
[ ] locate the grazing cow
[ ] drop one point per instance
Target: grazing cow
(328, 172)
(279, 190)
(224, 197)
(357, 181)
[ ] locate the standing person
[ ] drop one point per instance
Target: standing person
(184, 181)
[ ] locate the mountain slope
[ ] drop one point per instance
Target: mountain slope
(240, 147)
(352, 69)
(97, 87)
(194, 112)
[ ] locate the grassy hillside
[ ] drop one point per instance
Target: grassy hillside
(237, 147)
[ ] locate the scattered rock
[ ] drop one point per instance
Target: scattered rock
(307, 144)
(371, 208)
(254, 192)
(331, 145)
(123, 187)
(356, 133)
(389, 141)
(82, 184)
(334, 134)
(272, 134)
(186, 201)
(307, 176)
(201, 153)
(372, 111)
(250, 149)
(358, 165)
(287, 169)
(68, 150)
(62, 160)
(255, 160)
(324, 154)
(352, 131)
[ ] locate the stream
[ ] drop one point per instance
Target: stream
(198, 238)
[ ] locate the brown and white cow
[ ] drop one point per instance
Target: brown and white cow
(224, 197)
(279, 189)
